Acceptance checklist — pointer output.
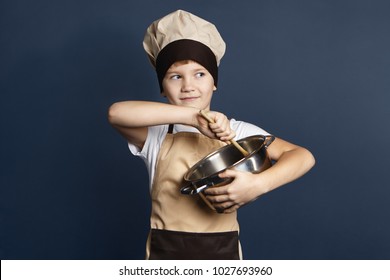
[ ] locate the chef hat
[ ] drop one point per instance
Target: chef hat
(183, 36)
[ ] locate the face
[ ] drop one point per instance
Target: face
(188, 83)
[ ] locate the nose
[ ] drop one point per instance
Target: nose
(186, 85)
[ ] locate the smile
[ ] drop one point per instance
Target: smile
(190, 98)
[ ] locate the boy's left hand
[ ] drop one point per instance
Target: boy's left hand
(230, 197)
(218, 127)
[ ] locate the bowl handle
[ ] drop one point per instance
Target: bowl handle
(190, 189)
(268, 141)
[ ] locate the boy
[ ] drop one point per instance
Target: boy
(186, 51)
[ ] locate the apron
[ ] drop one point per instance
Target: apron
(182, 226)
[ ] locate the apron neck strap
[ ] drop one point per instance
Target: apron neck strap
(170, 129)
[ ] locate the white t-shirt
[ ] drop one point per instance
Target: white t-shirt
(156, 135)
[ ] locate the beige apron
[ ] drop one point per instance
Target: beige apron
(183, 226)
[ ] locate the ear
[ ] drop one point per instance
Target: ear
(214, 88)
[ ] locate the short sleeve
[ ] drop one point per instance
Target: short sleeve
(151, 148)
(244, 129)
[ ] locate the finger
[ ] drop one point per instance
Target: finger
(220, 120)
(224, 205)
(214, 191)
(228, 173)
(231, 209)
(224, 132)
(219, 128)
(229, 137)
(227, 210)
(218, 198)
(227, 207)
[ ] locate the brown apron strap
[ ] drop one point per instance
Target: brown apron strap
(170, 129)
(176, 245)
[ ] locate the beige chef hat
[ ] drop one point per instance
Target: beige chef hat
(183, 36)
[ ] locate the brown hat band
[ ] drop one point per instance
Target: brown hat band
(185, 49)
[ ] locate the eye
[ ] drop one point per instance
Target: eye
(200, 74)
(175, 77)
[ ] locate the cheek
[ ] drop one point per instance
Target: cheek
(211, 89)
(171, 87)
(167, 89)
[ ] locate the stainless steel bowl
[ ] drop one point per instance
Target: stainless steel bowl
(205, 173)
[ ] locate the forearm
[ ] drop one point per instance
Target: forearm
(135, 114)
(290, 166)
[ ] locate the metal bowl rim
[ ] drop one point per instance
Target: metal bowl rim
(191, 170)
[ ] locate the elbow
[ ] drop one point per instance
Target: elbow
(309, 159)
(113, 113)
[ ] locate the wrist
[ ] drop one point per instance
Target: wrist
(191, 117)
(262, 183)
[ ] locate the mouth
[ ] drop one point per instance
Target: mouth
(189, 98)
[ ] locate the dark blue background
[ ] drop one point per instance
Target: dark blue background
(313, 72)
